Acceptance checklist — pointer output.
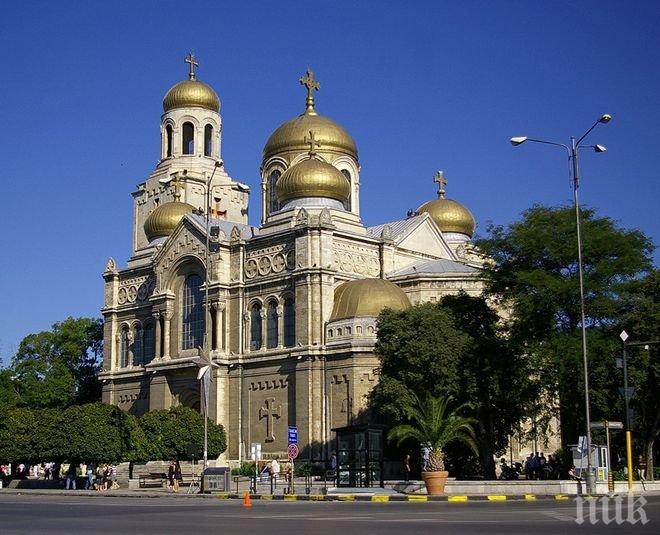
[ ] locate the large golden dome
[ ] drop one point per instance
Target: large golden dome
(367, 297)
(293, 135)
(450, 216)
(313, 178)
(164, 219)
(191, 94)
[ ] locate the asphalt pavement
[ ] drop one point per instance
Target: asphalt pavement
(25, 514)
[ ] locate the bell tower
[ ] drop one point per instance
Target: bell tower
(190, 169)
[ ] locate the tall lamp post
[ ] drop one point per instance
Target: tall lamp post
(572, 151)
(204, 359)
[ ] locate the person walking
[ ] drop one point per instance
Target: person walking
(113, 477)
(178, 477)
(406, 467)
(71, 474)
(89, 484)
(275, 471)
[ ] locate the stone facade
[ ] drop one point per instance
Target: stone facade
(269, 294)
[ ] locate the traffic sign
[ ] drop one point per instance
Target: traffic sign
(292, 451)
(255, 451)
(293, 434)
(611, 425)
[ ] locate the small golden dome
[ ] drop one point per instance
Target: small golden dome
(450, 216)
(313, 178)
(292, 135)
(367, 297)
(191, 94)
(164, 219)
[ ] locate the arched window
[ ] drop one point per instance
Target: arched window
(208, 140)
(347, 174)
(148, 344)
(274, 206)
(123, 350)
(193, 312)
(168, 140)
(271, 325)
(137, 345)
(188, 139)
(289, 322)
(255, 327)
(340, 331)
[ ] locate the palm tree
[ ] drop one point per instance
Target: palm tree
(434, 427)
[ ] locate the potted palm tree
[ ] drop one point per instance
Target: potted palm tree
(434, 426)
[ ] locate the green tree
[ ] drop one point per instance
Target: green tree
(642, 322)
(453, 349)
(178, 433)
(58, 367)
(535, 276)
(432, 425)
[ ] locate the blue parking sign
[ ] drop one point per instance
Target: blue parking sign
(293, 434)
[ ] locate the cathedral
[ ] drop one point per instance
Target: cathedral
(286, 310)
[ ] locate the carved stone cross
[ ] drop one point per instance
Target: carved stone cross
(312, 143)
(269, 412)
(440, 179)
(191, 60)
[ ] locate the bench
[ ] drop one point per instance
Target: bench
(151, 477)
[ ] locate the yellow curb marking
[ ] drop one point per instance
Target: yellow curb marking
(496, 497)
(418, 498)
(317, 497)
(561, 497)
(379, 498)
(530, 496)
(223, 496)
(290, 497)
(346, 498)
(457, 498)
(266, 496)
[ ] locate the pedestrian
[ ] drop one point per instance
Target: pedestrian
(100, 470)
(178, 476)
(406, 467)
(529, 472)
(170, 476)
(641, 468)
(275, 471)
(89, 472)
(113, 477)
(71, 474)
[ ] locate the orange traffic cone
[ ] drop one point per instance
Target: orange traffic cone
(247, 502)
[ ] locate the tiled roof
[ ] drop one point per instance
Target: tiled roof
(433, 267)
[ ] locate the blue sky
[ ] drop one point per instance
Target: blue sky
(420, 85)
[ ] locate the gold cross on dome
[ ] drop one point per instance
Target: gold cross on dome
(440, 179)
(312, 143)
(312, 85)
(192, 61)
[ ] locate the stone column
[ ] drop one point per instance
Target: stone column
(130, 340)
(167, 323)
(264, 328)
(280, 326)
(117, 356)
(246, 331)
(219, 310)
(157, 335)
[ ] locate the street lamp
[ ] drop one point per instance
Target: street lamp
(203, 361)
(572, 152)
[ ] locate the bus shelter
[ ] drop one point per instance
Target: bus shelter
(359, 450)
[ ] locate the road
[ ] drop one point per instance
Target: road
(28, 515)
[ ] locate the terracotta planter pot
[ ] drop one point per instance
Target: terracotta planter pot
(435, 482)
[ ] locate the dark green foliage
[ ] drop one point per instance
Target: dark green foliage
(178, 433)
(246, 469)
(56, 368)
(454, 349)
(535, 274)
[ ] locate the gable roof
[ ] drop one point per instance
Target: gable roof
(399, 228)
(226, 227)
(433, 267)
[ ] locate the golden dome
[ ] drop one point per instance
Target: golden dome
(367, 297)
(191, 94)
(164, 219)
(293, 135)
(450, 216)
(313, 178)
